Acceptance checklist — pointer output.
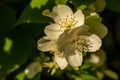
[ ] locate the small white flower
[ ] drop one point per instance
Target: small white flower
(32, 69)
(72, 43)
(64, 19)
(70, 46)
(98, 58)
(94, 59)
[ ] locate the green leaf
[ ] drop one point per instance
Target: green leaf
(8, 44)
(99, 5)
(33, 13)
(100, 75)
(20, 76)
(94, 22)
(113, 5)
(78, 3)
(60, 1)
(111, 74)
(86, 76)
(38, 3)
(7, 19)
(86, 65)
(18, 52)
(89, 9)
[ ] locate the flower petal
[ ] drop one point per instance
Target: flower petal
(79, 18)
(60, 12)
(32, 69)
(61, 61)
(44, 44)
(53, 31)
(95, 43)
(80, 30)
(75, 59)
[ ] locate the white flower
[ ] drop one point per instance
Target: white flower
(70, 46)
(64, 19)
(72, 43)
(94, 59)
(68, 37)
(98, 58)
(32, 69)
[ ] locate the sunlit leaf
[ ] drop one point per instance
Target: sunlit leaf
(38, 3)
(82, 7)
(20, 76)
(8, 45)
(60, 1)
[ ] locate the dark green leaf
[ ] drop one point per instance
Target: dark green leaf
(33, 13)
(19, 46)
(7, 19)
(113, 5)
(78, 3)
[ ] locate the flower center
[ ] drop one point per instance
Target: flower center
(81, 44)
(67, 23)
(54, 50)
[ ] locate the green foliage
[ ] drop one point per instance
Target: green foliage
(94, 22)
(17, 53)
(78, 3)
(22, 26)
(99, 5)
(20, 76)
(111, 74)
(33, 12)
(7, 19)
(60, 1)
(87, 76)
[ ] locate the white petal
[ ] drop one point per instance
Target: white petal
(80, 30)
(32, 69)
(61, 61)
(44, 44)
(95, 43)
(53, 31)
(75, 59)
(60, 12)
(79, 18)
